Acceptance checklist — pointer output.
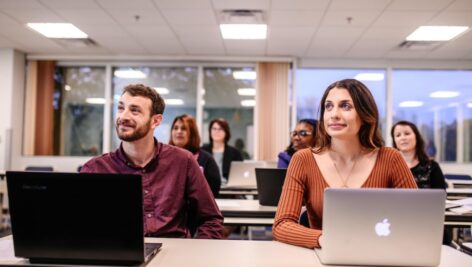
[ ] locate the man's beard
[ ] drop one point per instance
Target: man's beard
(136, 134)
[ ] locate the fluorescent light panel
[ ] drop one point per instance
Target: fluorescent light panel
(244, 75)
(369, 77)
(174, 102)
(436, 33)
(58, 30)
(469, 105)
(244, 31)
(95, 100)
(247, 91)
(248, 103)
(444, 94)
(162, 90)
(130, 74)
(411, 104)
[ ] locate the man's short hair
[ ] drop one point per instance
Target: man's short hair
(158, 104)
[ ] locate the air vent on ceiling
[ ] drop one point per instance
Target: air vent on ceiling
(419, 45)
(242, 16)
(75, 43)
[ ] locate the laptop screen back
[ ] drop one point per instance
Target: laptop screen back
(382, 226)
(76, 217)
(269, 185)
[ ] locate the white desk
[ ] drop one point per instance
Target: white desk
(249, 212)
(459, 183)
(238, 253)
(458, 193)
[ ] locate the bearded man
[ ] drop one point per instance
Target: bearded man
(175, 192)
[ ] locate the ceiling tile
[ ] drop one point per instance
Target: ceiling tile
(284, 48)
(296, 34)
(136, 17)
(154, 32)
(209, 32)
(161, 46)
(358, 4)
(299, 4)
(371, 48)
(20, 4)
(203, 46)
(419, 5)
(455, 18)
(399, 33)
(346, 33)
(244, 48)
(33, 15)
(326, 47)
(357, 18)
(93, 16)
(70, 4)
(5, 43)
(241, 4)
(460, 5)
(399, 18)
(405, 54)
(120, 4)
(189, 17)
(103, 30)
(295, 18)
(183, 4)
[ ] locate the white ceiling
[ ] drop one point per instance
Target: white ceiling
(301, 28)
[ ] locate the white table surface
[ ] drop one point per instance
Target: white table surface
(237, 253)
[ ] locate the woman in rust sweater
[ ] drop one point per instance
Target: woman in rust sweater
(349, 153)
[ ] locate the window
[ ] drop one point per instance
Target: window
(231, 97)
(311, 84)
(64, 110)
(439, 102)
(177, 85)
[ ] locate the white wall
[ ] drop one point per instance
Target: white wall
(12, 88)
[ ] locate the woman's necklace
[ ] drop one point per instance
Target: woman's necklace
(344, 180)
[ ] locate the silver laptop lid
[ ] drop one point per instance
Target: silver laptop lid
(243, 173)
(394, 227)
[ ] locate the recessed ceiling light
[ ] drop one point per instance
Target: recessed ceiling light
(247, 91)
(444, 94)
(95, 101)
(369, 76)
(174, 102)
(130, 74)
(244, 75)
(248, 103)
(410, 104)
(162, 90)
(469, 105)
(436, 33)
(244, 31)
(58, 30)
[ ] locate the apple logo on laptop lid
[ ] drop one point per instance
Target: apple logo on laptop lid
(382, 228)
(246, 174)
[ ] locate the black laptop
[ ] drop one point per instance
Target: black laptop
(269, 185)
(78, 218)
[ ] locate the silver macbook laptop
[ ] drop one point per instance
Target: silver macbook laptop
(242, 174)
(394, 227)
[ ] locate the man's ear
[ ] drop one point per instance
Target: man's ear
(156, 120)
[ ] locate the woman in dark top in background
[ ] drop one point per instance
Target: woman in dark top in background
(184, 134)
(407, 139)
(427, 173)
(219, 148)
(302, 137)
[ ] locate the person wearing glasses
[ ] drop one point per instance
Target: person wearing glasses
(184, 134)
(223, 153)
(302, 137)
(349, 153)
